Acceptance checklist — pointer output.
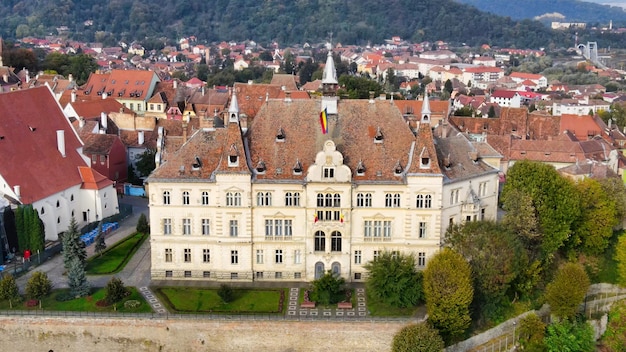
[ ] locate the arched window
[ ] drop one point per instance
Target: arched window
(166, 197)
(428, 201)
(205, 198)
(335, 241)
(320, 241)
(420, 201)
(264, 199)
(185, 198)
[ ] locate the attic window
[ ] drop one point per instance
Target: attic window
(378, 138)
(197, 164)
(360, 168)
(409, 110)
(398, 168)
(425, 162)
(485, 126)
(233, 156)
(260, 167)
(523, 152)
(280, 136)
(297, 168)
(425, 118)
(546, 153)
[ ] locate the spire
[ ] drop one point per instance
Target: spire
(233, 109)
(329, 76)
(426, 108)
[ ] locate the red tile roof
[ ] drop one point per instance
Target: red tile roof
(28, 150)
(93, 108)
(92, 179)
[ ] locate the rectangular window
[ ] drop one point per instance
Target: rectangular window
(259, 256)
(279, 256)
(278, 227)
(206, 229)
(234, 257)
(357, 276)
(297, 275)
(152, 107)
(167, 226)
(234, 276)
(288, 228)
(168, 273)
(482, 213)
(206, 255)
(297, 256)
(422, 230)
(186, 226)
(278, 275)
(387, 229)
(187, 255)
(378, 228)
(168, 255)
(187, 273)
(206, 274)
(367, 228)
(259, 274)
(329, 172)
(421, 259)
(234, 228)
(94, 158)
(357, 257)
(269, 227)
(454, 196)
(376, 254)
(482, 189)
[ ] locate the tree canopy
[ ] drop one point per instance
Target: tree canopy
(567, 291)
(419, 337)
(393, 279)
(449, 293)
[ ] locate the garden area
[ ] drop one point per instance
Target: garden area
(224, 300)
(113, 259)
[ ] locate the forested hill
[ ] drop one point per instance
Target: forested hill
(285, 21)
(572, 10)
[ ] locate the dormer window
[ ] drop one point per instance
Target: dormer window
(425, 162)
(196, 164)
(233, 156)
(425, 118)
(260, 167)
(360, 168)
(378, 138)
(398, 169)
(280, 136)
(297, 168)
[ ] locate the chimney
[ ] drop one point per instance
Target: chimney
(16, 190)
(250, 82)
(103, 120)
(287, 96)
(27, 75)
(371, 97)
(70, 77)
(383, 96)
(81, 122)
(61, 142)
(104, 95)
(175, 84)
(202, 90)
(140, 138)
(73, 96)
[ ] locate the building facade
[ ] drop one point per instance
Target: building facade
(289, 200)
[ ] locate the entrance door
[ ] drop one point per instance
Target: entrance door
(319, 270)
(336, 269)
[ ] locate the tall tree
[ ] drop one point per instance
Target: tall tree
(449, 293)
(393, 279)
(100, 243)
(553, 196)
(146, 163)
(594, 228)
(142, 224)
(73, 246)
(77, 279)
(419, 337)
(567, 291)
(616, 188)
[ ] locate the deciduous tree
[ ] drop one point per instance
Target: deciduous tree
(565, 335)
(620, 258)
(38, 286)
(615, 335)
(328, 289)
(531, 333)
(419, 337)
(449, 293)
(567, 291)
(115, 291)
(8, 289)
(393, 279)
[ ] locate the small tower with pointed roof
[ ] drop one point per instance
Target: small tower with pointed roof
(426, 109)
(233, 110)
(330, 84)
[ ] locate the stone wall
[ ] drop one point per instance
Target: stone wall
(128, 335)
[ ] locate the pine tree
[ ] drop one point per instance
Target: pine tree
(142, 224)
(21, 229)
(73, 246)
(36, 233)
(100, 244)
(76, 279)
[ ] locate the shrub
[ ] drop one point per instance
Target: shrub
(132, 304)
(226, 293)
(115, 291)
(417, 338)
(142, 224)
(38, 286)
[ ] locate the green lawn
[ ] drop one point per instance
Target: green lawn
(199, 300)
(115, 258)
(380, 309)
(85, 304)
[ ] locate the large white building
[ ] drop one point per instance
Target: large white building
(285, 201)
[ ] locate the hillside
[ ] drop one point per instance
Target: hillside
(284, 21)
(572, 10)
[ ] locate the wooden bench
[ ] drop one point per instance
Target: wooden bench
(307, 304)
(344, 305)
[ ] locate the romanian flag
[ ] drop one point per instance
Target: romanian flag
(324, 121)
(315, 219)
(341, 218)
